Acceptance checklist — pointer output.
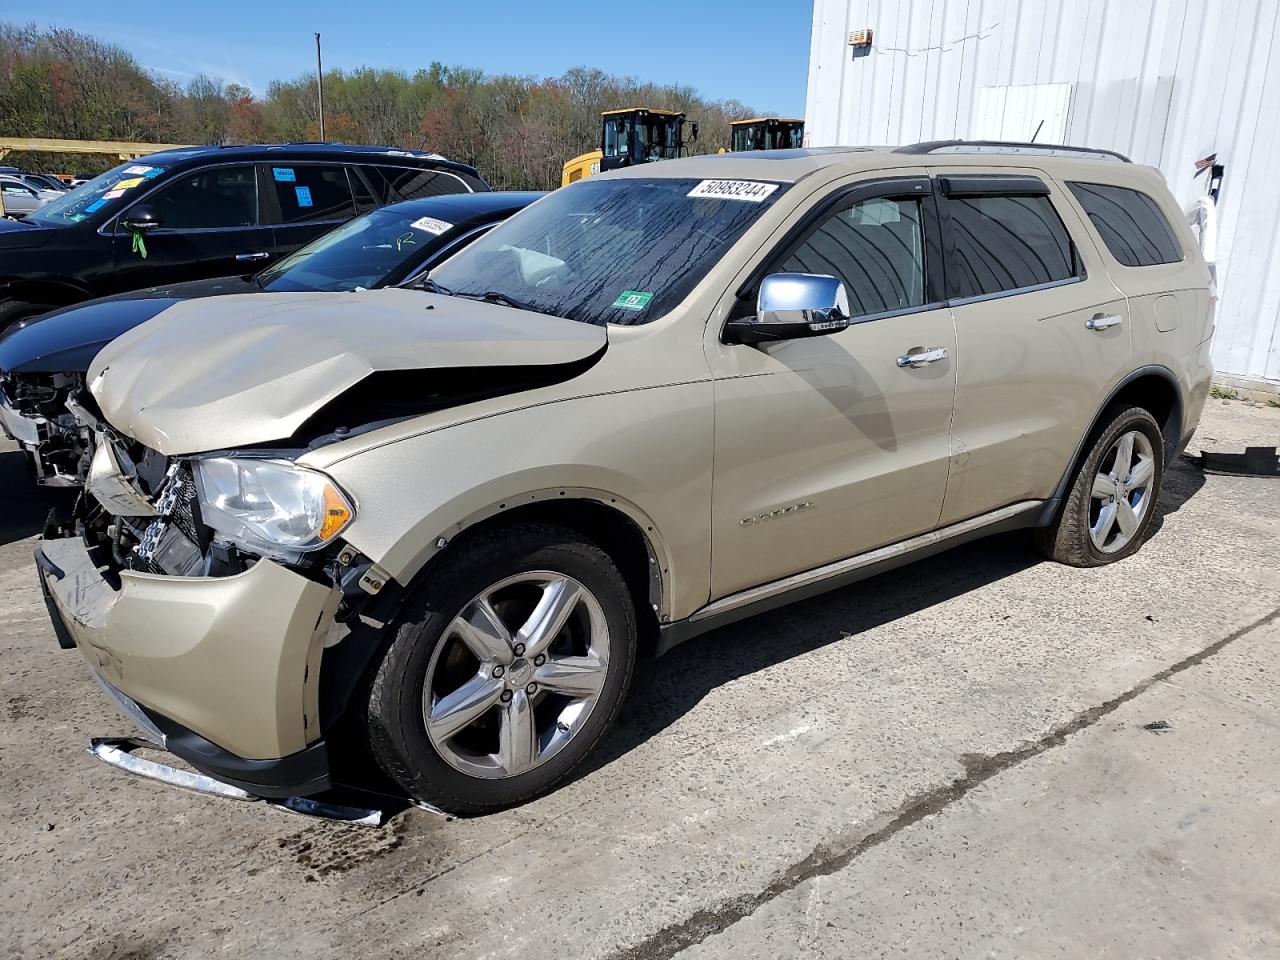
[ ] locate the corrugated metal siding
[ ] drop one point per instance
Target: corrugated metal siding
(1165, 81)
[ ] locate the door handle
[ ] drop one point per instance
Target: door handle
(252, 256)
(1103, 320)
(931, 355)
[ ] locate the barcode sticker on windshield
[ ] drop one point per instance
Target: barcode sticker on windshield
(753, 191)
(431, 225)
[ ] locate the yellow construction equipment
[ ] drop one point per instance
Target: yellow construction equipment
(766, 133)
(631, 135)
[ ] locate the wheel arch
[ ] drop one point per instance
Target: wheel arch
(57, 292)
(617, 525)
(1152, 387)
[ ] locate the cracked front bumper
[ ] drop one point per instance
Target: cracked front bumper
(228, 666)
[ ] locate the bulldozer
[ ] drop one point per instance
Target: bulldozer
(632, 135)
(766, 133)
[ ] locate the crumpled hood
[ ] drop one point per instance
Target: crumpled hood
(238, 370)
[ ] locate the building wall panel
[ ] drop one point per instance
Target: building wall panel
(1165, 81)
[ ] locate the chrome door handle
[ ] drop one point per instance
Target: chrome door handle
(1103, 320)
(252, 256)
(931, 355)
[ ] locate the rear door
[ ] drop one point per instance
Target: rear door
(1043, 335)
(306, 200)
(211, 225)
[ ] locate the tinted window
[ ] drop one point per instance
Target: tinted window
(403, 183)
(876, 247)
(217, 197)
(366, 200)
(609, 251)
(317, 192)
(1130, 224)
(1006, 243)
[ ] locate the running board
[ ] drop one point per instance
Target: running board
(118, 752)
(800, 586)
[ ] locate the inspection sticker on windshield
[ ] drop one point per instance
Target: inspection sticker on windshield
(635, 300)
(431, 225)
(753, 191)
(137, 170)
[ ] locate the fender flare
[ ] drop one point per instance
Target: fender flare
(660, 564)
(1172, 431)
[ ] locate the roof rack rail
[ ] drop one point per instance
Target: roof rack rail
(1010, 146)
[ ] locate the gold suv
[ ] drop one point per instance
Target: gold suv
(435, 525)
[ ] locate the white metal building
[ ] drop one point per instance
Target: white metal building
(1166, 82)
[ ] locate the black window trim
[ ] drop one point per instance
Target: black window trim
(1177, 242)
(989, 186)
(263, 223)
(903, 187)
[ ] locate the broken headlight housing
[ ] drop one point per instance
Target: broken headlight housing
(272, 508)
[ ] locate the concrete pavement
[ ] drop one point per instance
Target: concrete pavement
(948, 760)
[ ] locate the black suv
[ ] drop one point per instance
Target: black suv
(202, 212)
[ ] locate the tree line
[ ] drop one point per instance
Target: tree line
(518, 130)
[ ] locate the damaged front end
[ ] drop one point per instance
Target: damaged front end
(33, 412)
(232, 654)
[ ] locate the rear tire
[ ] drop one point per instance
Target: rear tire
(1112, 498)
(509, 720)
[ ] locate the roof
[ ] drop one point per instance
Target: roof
(657, 110)
(461, 207)
(309, 151)
(735, 123)
(790, 166)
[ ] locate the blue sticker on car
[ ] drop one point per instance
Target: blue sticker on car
(96, 205)
(283, 174)
(304, 196)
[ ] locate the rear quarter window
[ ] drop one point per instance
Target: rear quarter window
(1130, 224)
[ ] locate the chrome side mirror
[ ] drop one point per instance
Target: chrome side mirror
(793, 305)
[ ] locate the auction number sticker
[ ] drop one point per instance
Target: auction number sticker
(752, 191)
(127, 184)
(431, 225)
(137, 170)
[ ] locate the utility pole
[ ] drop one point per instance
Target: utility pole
(320, 86)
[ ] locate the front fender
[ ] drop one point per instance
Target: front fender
(414, 492)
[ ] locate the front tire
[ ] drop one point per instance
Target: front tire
(1112, 498)
(506, 669)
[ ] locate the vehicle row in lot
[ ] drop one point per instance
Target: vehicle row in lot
(43, 360)
(438, 523)
(202, 212)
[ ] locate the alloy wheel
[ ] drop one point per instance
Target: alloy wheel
(516, 674)
(1122, 492)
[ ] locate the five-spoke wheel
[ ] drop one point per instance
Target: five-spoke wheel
(517, 674)
(508, 665)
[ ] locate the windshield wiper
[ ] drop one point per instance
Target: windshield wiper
(430, 286)
(495, 296)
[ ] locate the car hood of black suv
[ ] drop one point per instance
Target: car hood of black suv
(243, 370)
(20, 235)
(67, 340)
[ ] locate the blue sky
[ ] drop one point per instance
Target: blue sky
(756, 51)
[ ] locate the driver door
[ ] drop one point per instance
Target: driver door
(826, 447)
(210, 226)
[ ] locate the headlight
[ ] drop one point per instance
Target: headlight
(271, 507)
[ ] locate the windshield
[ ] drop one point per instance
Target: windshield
(610, 251)
(360, 253)
(101, 195)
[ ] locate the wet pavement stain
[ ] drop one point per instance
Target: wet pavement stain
(328, 851)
